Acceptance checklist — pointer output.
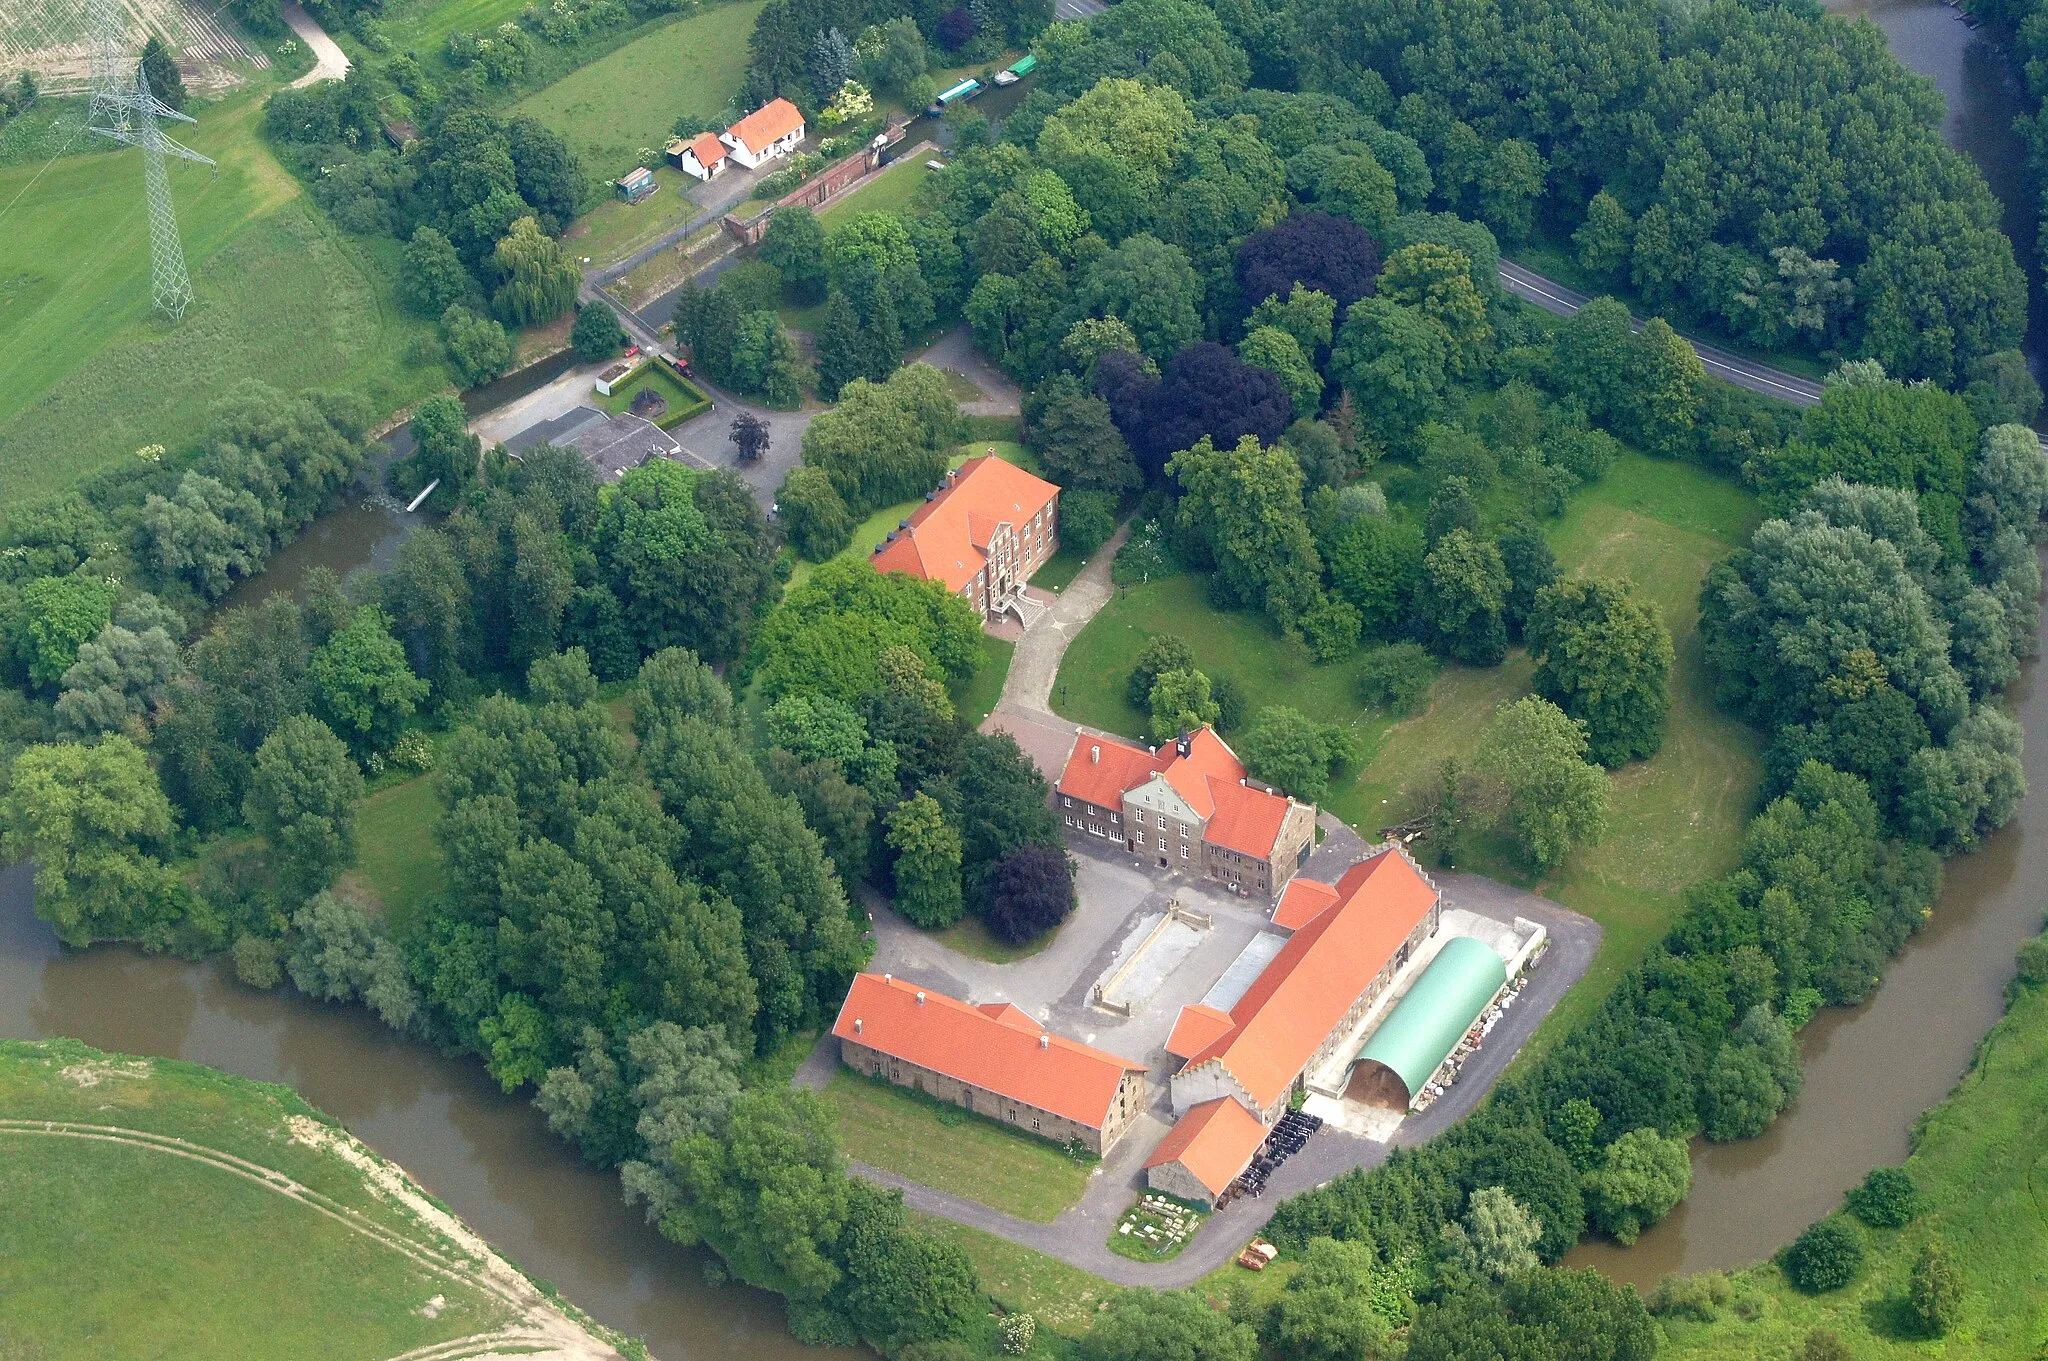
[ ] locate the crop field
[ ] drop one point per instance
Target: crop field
(282, 296)
(631, 99)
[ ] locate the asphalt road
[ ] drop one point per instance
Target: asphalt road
(1554, 297)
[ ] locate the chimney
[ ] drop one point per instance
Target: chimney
(888, 978)
(920, 996)
(856, 1025)
(1185, 745)
(1095, 755)
(1044, 1041)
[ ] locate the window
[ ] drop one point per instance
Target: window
(1139, 815)
(1183, 850)
(1066, 801)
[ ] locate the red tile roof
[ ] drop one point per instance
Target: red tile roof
(1302, 902)
(708, 150)
(1100, 769)
(996, 1047)
(948, 537)
(1246, 820)
(1214, 1141)
(1197, 1028)
(1301, 997)
(770, 123)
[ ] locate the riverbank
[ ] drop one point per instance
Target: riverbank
(107, 1160)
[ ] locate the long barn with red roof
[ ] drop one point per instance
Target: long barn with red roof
(993, 1059)
(1188, 806)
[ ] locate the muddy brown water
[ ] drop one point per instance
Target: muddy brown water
(489, 1156)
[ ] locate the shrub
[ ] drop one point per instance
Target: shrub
(1887, 1199)
(1700, 1298)
(259, 961)
(1935, 1293)
(1233, 706)
(1087, 519)
(1396, 677)
(1825, 1257)
(1145, 556)
(2033, 970)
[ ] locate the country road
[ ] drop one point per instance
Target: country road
(329, 62)
(1554, 297)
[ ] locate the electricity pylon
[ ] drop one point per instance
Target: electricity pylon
(124, 109)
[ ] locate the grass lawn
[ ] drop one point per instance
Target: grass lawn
(396, 854)
(1060, 569)
(615, 229)
(954, 1150)
(631, 98)
(282, 296)
(1675, 819)
(111, 1249)
(684, 399)
(976, 695)
(1980, 1161)
(888, 192)
(1064, 1298)
(971, 938)
(423, 26)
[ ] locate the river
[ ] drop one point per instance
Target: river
(489, 1156)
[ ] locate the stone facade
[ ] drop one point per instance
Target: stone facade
(1130, 1099)
(1175, 1180)
(1014, 553)
(1154, 822)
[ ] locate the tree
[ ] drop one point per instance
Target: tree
(1935, 1292)
(1164, 652)
(927, 866)
(1641, 1178)
(1437, 281)
(903, 1285)
(54, 617)
(478, 348)
(161, 71)
(1087, 520)
(1886, 1199)
(2002, 390)
(1304, 313)
(1171, 1325)
(1079, 445)
(1336, 1307)
(597, 333)
(1280, 354)
(1245, 504)
(1204, 391)
(1462, 596)
(1552, 799)
(1604, 657)
(302, 800)
(1497, 1238)
(1541, 1315)
(1028, 892)
(1669, 383)
(1287, 749)
(1396, 363)
(836, 633)
(764, 361)
(1396, 676)
(750, 437)
(1827, 1256)
(361, 683)
(1314, 250)
(1180, 702)
(120, 678)
(96, 823)
(812, 514)
(1531, 566)
(1377, 565)
(1603, 238)
(537, 279)
(1150, 286)
(795, 245)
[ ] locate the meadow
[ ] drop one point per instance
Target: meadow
(1675, 819)
(612, 108)
(126, 1249)
(282, 296)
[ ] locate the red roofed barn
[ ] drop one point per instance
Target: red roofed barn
(987, 528)
(992, 1059)
(1188, 806)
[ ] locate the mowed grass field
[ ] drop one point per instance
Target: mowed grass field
(115, 1249)
(888, 192)
(631, 99)
(1675, 819)
(954, 1150)
(1980, 1162)
(423, 26)
(282, 296)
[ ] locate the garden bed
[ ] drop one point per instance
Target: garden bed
(685, 399)
(1156, 1228)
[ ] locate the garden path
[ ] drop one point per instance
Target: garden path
(329, 61)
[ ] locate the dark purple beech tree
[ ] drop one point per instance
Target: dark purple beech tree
(1317, 250)
(1029, 892)
(1204, 390)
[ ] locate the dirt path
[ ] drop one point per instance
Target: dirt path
(329, 61)
(541, 1329)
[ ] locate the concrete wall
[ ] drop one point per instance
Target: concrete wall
(1129, 1100)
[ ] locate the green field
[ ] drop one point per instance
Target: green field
(282, 296)
(631, 99)
(954, 1150)
(975, 696)
(1980, 1161)
(1063, 1298)
(1675, 819)
(888, 192)
(423, 26)
(615, 229)
(397, 857)
(122, 1247)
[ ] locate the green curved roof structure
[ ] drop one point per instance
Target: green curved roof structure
(1439, 1008)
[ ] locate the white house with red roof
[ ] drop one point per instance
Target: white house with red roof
(772, 130)
(1188, 806)
(702, 156)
